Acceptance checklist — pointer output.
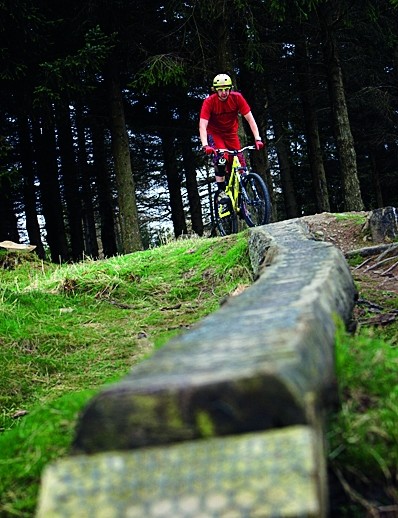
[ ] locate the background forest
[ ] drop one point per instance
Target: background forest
(99, 144)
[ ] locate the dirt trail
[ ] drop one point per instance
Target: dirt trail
(376, 275)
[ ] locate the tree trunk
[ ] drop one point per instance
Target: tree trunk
(195, 206)
(282, 150)
(174, 185)
(70, 179)
(29, 189)
(375, 178)
(341, 125)
(259, 160)
(171, 168)
(311, 124)
(130, 230)
(47, 170)
(90, 234)
(222, 32)
(8, 219)
(103, 184)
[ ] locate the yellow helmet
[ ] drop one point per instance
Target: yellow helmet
(222, 80)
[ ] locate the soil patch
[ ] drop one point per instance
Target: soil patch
(378, 271)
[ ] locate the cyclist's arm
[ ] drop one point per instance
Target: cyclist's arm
(253, 125)
(203, 123)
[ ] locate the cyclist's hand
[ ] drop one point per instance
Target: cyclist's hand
(209, 150)
(259, 144)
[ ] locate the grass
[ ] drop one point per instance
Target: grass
(370, 403)
(66, 331)
(355, 217)
(363, 434)
(42, 436)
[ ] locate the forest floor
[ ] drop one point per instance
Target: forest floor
(376, 275)
(376, 278)
(86, 326)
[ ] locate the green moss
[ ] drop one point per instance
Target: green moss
(351, 216)
(156, 411)
(356, 260)
(204, 424)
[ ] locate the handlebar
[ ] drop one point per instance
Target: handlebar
(236, 151)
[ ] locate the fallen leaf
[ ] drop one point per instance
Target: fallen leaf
(19, 413)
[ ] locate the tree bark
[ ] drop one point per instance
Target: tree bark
(29, 189)
(8, 219)
(222, 32)
(174, 185)
(311, 124)
(341, 125)
(70, 179)
(88, 219)
(375, 178)
(171, 169)
(195, 206)
(128, 215)
(103, 184)
(47, 170)
(287, 182)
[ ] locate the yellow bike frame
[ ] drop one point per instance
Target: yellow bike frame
(233, 186)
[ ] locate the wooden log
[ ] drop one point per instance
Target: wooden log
(371, 250)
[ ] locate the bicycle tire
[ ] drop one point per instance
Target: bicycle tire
(255, 202)
(226, 224)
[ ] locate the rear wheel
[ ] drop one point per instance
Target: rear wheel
(226, 219)
(255, 203)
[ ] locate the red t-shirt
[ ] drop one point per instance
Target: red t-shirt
(223, 115)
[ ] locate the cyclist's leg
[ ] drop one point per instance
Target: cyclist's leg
(217, 142)
(225, 218)
(222, 202)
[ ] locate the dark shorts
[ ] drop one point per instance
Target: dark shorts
(226, 142)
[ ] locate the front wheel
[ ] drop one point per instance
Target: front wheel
(255, 203)
(225, 217)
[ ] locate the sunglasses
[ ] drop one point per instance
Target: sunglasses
(227, 89)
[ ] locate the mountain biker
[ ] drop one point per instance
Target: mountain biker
(219, 122)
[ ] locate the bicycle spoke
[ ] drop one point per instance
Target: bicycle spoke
(255, 202)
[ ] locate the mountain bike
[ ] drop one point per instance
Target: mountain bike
(247, 195)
